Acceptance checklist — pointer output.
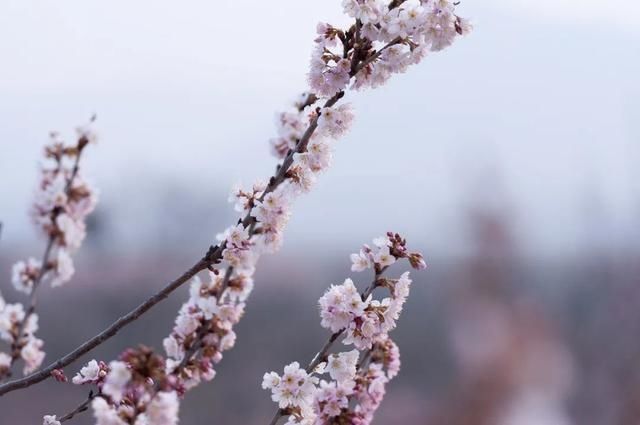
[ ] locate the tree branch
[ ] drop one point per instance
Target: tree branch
(81, 407)
(213, 256)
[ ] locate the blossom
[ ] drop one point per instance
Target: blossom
(89, 373)
(243, 199)
(24, 275)
(63, 270)
(11, 315)
(342, 366)
(331, 398)
(367, 11)
(32, 354)
(208, 306)
(72, 231)
(270, 380)
(163, 409)
(173, 348)
(383, 257)
(294, 389)
(340, 305)
(335, 121)
(105, 413)
(50, 420)
(116, 380)
(360, 261)
(328, 74)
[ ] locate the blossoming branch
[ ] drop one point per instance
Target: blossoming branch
(62, 201)
(385, 38)
(357, 378)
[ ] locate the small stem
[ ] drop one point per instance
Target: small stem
(276, 417)
(81, 407)
(376, 55)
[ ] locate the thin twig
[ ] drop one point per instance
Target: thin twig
(377, 54)
(80, 408)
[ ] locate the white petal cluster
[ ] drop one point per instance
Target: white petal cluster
(50, 420)
(385, 251)
(24, 274)
(135, 390)
(341, 307)
(295, 388)
(290, 126)
(356, 383)
(116, 380)
(93, 373)
(105, 413)
(12, 323)
(399, 36)
(334, 122)
(342, 367)
(329, 72)
(216, 316)
(163, 409)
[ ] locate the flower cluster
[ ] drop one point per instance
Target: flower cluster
(386, 250)
(134, 390)
(93, 373)
(356, 383)
(16, 328)
(205, 323)
(62, 202)
(387, 38)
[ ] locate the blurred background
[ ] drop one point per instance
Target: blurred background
(510, 160)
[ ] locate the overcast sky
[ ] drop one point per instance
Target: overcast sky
(537, 111)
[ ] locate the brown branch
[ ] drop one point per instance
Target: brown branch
(110, 331)
(213, 256)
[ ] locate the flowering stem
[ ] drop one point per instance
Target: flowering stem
(321, 356)
(213, 256)
(16, 345)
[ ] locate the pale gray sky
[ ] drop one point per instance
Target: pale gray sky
(543, 94)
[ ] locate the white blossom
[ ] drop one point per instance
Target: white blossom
(342, 366)
(335, 121)
(50, 420)
(88, 373)
(104, 413)
(116, 380)
(163, 409)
